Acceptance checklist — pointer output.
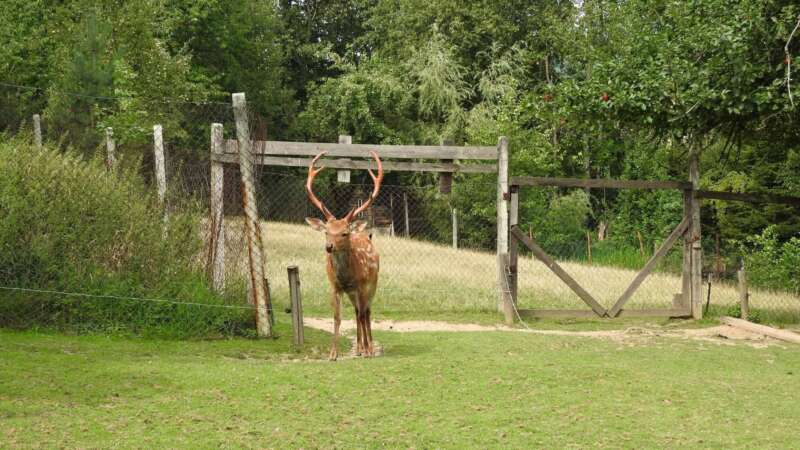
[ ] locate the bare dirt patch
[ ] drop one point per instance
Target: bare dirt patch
(721, 334)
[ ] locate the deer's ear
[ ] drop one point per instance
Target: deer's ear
(315, 223)
(358, 226)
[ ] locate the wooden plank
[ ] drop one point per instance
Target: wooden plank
(585, 313)
(599, 183)
(671, 312)
(749, 198)
(357, 164)
(513, 245)
(560, 273)
(555, 313)
(783, 335)
(686, 269)
(651, 264)
(280, 148)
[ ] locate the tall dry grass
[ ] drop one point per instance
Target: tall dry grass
(421, 276)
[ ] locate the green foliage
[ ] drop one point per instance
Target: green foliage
(771, 263)
(69, 225)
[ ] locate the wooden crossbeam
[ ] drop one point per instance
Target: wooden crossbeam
(280, 148)
(560, 272)
(651, 264)
(585, 313)
(287, 161)
(599, 183)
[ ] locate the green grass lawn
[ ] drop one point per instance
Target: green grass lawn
(429, 390)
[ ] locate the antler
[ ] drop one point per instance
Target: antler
(377, 180)
(314, 200)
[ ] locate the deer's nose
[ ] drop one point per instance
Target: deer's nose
(328, 248)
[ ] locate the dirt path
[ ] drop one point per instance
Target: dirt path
(718, 334)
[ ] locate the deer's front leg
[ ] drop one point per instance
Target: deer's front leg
(337, 320)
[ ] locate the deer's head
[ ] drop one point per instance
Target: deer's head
(338, 231)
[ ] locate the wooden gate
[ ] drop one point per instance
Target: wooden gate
(681, 304)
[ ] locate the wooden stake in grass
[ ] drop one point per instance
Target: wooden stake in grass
(158, 153)
(216, 260)
(297, 305)
(37, 131)
(744, 296)
(641, 242)
(111, 149)
(589, 246)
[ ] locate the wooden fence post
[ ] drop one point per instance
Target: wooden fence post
(405, 209)
(343, 175)
(455, 229)
(502, 221)
(161, 173)
(217, 223)
(744, 296)
(589, 246)
(111, 149)
(297, 305)
(697, 249)
(686, 271)
(446, 178)
(252, 225)
(513, 253)
(37, 131)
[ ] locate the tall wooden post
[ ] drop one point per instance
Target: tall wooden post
(297, 305)
(503, 197)
(217, 223)
(513, 254)
(697, 249)
(686, 272)
(405, 210)
(158, 153)
(455, 229)
(37, 131)
(343, 175)
(446, 178)
(111, 149)
(252, 225)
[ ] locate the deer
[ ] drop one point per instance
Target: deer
(352, 260)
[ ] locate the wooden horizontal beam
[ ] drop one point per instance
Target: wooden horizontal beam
(280, 148)
(556, 313)
(599, 183)
(749, 198)
(586, 313)
(670, 312)
(362, 164)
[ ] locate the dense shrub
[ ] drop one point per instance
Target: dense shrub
(771, 263)
(69, 225)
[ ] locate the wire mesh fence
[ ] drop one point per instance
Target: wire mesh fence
(120, 253)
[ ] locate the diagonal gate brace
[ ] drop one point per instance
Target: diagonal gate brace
(651, 264)
(560, 272)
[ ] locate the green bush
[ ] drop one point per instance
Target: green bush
(70, 226)
(771, 263)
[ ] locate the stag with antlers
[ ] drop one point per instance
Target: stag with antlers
(352, 261)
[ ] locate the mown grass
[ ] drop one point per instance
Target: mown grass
(421, 280)
(429, 390)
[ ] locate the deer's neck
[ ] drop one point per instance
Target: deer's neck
(340, 260)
